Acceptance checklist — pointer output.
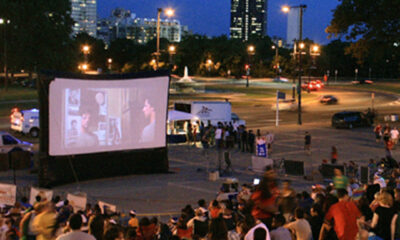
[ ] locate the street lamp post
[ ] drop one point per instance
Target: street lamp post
(276, 60)
(301, 8)
(356, 74)
(171, 51)
(109, 61)
(5, 22)
(251, 50)
(86, 51)
(209, 64)
(168, 12)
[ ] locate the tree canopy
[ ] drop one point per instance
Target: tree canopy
(371, 25)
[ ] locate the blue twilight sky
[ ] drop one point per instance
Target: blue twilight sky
(211, 17)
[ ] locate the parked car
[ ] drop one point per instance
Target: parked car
(328, 99)
(9, 143)
(285, 105)
(350, 120)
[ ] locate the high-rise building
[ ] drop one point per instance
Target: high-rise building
(124, 24)
(84, 13)
(248, 17)
(293, 26)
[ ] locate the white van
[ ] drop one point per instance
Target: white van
(25, 121)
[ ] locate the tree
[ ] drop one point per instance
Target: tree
(373, 25)
(38, 36)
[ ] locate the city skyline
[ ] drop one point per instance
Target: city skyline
(212, 18)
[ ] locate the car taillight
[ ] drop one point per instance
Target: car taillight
(318, 86)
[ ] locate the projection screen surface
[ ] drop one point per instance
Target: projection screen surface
(91, 116)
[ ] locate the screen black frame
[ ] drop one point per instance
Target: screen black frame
(56, 170)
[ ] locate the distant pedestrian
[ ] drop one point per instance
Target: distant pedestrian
(307, 142)
(334, 155)
(394, 135)
(251, 141)
(378, 132)
(243, 140)
(269, 140)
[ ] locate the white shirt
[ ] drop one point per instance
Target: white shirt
(218, 133)
(394, 133)
(381, 182)
(280, 233)
(301, 228)
(75, 235)
(250, 234)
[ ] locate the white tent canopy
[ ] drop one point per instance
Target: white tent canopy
(174, 115)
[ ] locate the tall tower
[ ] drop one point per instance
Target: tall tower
(84, 13)
(248, 17)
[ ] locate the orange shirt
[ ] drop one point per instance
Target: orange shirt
(257, 212)
(345, 214)
(185, 233)
(214, 212)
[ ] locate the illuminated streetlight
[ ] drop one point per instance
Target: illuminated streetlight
(169, 12)
(5, 23)
(301, 45)
(285, 9)
(85, 49)
(171, 51)
(301, 8)
(251, 50)
(109, 60)
(276, 60)
(315, 48)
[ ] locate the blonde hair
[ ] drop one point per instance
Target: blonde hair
(386, 199)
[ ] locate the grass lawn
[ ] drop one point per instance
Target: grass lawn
(382, 87)
(18, 93)
(20, 97)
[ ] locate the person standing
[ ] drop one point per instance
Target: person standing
(219, 144)
(334, 155)
(269, 141)
(378, 132)
(251, 141)
(394, 135)
(339, 180)
(243, 140)
(307, 142)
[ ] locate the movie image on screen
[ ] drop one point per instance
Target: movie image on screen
(89, 116)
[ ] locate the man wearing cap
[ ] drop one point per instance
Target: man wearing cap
(133, 222)
(75, 223)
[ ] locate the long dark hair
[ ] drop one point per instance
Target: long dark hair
(96, 227)
(218, 229)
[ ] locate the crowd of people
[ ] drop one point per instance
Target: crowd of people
(270, 210)
(226, 135)
(389, 135)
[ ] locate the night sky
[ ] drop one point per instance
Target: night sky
(211, 17)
